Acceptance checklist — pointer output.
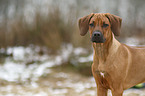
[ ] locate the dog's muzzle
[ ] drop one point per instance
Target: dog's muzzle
(98, 37)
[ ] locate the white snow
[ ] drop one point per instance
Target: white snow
(11, 71)
(15, 69)
(132, 41)
(86, 59)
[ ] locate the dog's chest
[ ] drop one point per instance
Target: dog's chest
(102, 74)
(103, 78)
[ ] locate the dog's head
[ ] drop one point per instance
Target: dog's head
(100, 26)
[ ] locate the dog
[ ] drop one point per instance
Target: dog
(116, 66)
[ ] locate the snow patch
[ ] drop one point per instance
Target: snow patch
(18, 68)
(86, 59)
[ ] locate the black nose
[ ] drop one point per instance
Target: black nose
(98, 37)
(96, 34)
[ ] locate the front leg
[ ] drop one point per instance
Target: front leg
(117, 93)
(101, 91)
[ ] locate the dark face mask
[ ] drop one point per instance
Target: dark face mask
(98, 37)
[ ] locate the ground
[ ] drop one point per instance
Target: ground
(60, 82)
(30, 74)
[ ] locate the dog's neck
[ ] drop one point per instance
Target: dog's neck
(101, 50)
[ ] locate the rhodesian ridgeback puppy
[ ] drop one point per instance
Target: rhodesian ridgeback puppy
(116, 66)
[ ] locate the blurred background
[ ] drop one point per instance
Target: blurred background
(42, 53)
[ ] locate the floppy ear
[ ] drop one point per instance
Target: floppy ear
(84, 24)
(115, 22)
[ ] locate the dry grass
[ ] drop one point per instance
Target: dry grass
(51, 31)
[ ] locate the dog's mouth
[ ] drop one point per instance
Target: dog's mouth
(97, 37)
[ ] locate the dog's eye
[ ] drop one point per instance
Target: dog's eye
(91, 25)
(105, 25)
